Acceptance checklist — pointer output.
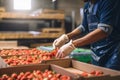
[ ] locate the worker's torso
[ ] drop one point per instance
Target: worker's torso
(107, 47)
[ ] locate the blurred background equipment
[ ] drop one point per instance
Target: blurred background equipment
(44, 16)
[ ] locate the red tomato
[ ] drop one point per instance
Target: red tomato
(64, 77)
(45, 74)
(14, 75)
(98, 73)
(5, 77)
(54, 78)
(58, 75)
(30, 76)
(93, 72)
(8, 79)
(84, 74)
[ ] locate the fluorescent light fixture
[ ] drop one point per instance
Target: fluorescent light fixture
(53, 0)
(22, 4)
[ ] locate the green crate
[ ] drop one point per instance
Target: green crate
(80, 54)
(81, 50)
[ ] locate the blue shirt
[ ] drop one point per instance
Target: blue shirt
(109, 18)
(107, 13)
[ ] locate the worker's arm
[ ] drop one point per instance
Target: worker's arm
(92, 37)
(66, 37)
(74, 33)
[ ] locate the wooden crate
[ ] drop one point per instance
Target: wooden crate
(53, 30)
(8, 43)
(76, 67)
(52, 11)
(40, 44)
(2, 9)
(13, 47)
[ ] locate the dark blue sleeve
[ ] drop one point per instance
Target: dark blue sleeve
(106, 11)
(84, 24)
(106, 16)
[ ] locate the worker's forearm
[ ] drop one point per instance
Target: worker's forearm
(90, 38)
(74, 33)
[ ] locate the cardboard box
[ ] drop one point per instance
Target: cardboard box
(77, 66)
(41, 67)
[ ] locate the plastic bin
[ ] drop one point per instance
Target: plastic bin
(80, 54)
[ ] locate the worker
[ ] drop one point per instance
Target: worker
(101, 23)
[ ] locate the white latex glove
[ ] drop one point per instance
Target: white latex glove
(65, 50)
(60, 41)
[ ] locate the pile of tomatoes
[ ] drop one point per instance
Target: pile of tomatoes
(28, 56)
(35, 75)
(9, 52)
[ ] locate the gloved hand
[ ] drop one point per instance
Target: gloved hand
(65, 50)
(60, 41)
